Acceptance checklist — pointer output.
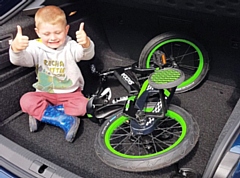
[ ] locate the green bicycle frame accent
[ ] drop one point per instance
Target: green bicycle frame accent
(144, 87)
(131, 98)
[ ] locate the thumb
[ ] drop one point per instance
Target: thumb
(19, 30)
(81, 27)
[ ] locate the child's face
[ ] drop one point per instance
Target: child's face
(52, 36)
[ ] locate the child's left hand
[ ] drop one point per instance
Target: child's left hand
(82, 37)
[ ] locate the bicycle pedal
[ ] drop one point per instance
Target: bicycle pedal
(166, 78)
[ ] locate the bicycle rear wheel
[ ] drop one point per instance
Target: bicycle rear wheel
(173, 138)
(181, 52)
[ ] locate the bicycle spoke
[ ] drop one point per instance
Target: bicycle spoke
(164, 136)
(186, 54)
(163, 142)
(117, 136)
(165, 130)
(181, 60)
(132, 144)
(155, 143)
(192, 68)
(164, 120)
(155, 139)
(120, 143)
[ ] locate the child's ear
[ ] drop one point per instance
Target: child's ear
(37, 32)
(67, 28)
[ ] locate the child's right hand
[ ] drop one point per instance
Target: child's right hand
(20, 42)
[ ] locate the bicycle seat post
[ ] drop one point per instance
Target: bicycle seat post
(163, 100)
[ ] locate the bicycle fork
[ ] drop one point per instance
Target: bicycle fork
(143, 121)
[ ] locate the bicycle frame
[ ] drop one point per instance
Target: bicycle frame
(145, 118)
(141, 131)
(127, 76)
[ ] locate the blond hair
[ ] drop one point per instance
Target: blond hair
(50, 14)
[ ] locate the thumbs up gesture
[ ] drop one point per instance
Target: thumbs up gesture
(20, 42)
(82, 37)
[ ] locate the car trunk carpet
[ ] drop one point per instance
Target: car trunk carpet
(210, 104)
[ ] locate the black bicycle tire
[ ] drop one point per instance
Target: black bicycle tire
(153, 163)
(171, 36)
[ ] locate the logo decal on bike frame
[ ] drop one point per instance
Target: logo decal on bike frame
(127, 79)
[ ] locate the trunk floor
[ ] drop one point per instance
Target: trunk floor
(210, 104)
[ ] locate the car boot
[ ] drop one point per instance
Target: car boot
(69, 124)
(34, 123)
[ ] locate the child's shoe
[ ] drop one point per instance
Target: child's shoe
(69, 124)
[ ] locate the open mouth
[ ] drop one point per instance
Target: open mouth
(53, 42)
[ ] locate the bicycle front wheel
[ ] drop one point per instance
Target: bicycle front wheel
(181, 52)
(173, 138)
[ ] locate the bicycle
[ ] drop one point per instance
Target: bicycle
(165, 50)
(147, 135)
(130, 126)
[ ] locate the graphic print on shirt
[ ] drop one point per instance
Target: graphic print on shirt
(52, 76)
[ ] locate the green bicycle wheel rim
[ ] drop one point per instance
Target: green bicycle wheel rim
(119, 121)
(200, 67)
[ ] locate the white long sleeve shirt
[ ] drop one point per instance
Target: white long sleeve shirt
(57, 70)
